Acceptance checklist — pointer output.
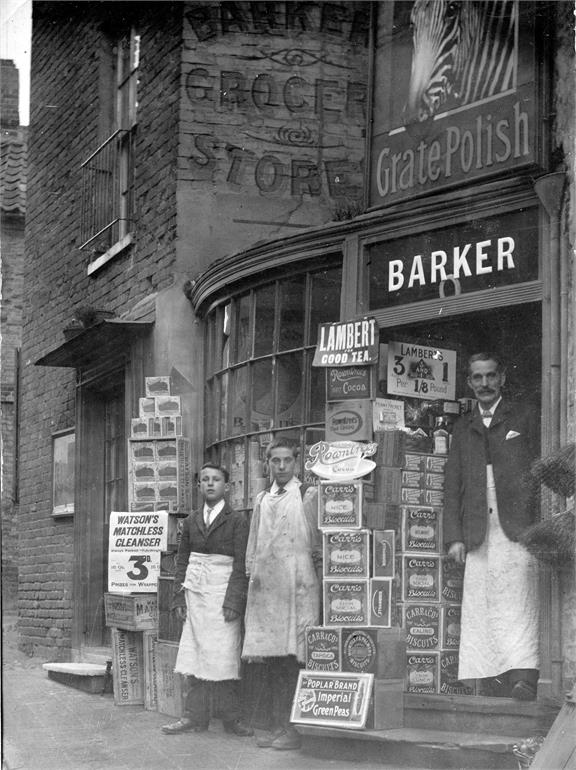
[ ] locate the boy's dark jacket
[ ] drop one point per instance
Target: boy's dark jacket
(511, 438)
(228, 535)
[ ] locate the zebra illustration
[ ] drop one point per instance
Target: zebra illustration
(464, 52)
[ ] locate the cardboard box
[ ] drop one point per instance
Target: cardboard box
(323, 649)
(167, 406)
(131, 612)
(350, 420)
(378, 651)
(422, 623)
(157, 386)
(420, 578)
(346, 603)
(139, 428)
(390, 447)
(420, 529)
(140, 472)
(170, 427)
(169, 627)
(435, 463)
(346, 553)
(149, 652)
(141, 452)
(383, 553)
(386, 710)
(154, 427)
(170, 687)
(340, 504)
(381, 602)
(146, 407)
(387, 484)
(451, 580)
(423, 672)
(166, 482)
(449, 682)
(450, 627)
(127, 667)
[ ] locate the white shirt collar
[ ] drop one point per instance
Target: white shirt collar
(215, 509)
(288, 485)
(492, 408)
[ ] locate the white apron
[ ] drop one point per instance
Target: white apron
(283, 592)
(500, 620)
(209, 647)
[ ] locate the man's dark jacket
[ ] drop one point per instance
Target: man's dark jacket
(228, 535)
(465, 506)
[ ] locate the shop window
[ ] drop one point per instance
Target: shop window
(63, 464)
(108, 173)
(260, 380)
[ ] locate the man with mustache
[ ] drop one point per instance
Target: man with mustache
(488, 503)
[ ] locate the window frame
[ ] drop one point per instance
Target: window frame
(60, 440)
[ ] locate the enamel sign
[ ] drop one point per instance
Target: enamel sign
(347, 343)
(331, 699)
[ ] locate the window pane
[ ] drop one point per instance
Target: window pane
(210, 414)
(239, 400)
(242, 331)
(317, 407)
(290, 390)
(292, 313)
(223, 401)
(225, 340)
(262, 395)
(236, 468)
(210, 344)
(264, 335)
(325, 302)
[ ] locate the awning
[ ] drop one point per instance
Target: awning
(96, 343)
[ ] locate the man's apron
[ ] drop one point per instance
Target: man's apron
(209, 647)
(500, 621)
(283, 593)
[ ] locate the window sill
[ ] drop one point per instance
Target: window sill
(59, 511)
(112, 252)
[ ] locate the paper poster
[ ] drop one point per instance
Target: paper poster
(419, 371)
(388, 414)
(135, 544)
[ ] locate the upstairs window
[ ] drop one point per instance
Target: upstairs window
(108, 173)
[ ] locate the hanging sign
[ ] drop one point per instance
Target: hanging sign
(332, 700)
(341, 460)
(419, 371)
(347, 343)
(135, 543)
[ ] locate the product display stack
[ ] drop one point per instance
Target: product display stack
(145, 633)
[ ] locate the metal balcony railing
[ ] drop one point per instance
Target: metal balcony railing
(108, 193)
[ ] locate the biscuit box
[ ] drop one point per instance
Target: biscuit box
(422, 623)
(450, 627)
(413, 496)
(420, 530)
(420, 578)
(340, 505)
(390, 447)
(387, 483)
(323, 649)
(378, 651)
(414, 462)
(347, 553)
(423, 672)
(451, 580)
(346, 603)
(435, 463)
(381, 602)
(381, 515)
(383, 553)
(449, 682)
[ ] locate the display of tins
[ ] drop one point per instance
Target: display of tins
(383, 553)
(420, 578)
(340, 504)
(451, 580)
(381, 602)
(423, 672)
(347, 553)
(323, 649)
(346, 603)
(420, 530)
(422, 623)
(450, 627)
(449, 684)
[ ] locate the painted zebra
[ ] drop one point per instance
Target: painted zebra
(463, 51)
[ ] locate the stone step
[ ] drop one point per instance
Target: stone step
(461, 713)
(412, 747)
(89, 677)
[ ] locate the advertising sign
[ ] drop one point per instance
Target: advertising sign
(349, 382)
(341, 460)
(418, 371)
(332, 700)
(455, 95)
(136, 540)
(347, 343)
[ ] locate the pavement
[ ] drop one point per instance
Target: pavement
(47, 725)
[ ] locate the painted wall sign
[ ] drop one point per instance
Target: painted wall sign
(483, 254)
(455, 95)
(349, 382)
(332, 700)
(135, 543)
(346, 343)
(418, 371)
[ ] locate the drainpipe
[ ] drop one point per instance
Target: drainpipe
(550, 191)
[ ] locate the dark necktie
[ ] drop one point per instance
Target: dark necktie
(280, 490)
(486, 440)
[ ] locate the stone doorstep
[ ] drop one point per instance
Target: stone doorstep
(89, 677)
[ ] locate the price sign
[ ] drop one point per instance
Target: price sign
(419, 371)
(136, 541)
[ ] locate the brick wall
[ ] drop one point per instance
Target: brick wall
(63, 132)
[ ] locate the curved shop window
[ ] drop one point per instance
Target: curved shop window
(260, 380)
